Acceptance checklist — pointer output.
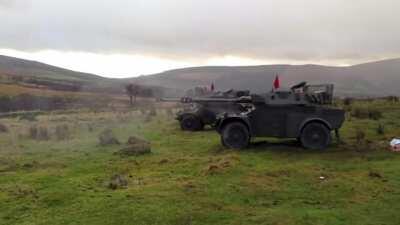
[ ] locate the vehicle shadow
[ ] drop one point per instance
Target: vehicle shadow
(282, 145)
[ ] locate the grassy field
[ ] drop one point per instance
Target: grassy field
(190, 179)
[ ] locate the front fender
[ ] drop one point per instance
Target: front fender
(316, 119)
(225, 119)
(181, 115)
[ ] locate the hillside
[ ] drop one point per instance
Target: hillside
(27, 74)
(369, 79)
(16, 66)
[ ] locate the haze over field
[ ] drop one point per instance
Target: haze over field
(129, 38)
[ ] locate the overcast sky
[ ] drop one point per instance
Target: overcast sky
(133, 37)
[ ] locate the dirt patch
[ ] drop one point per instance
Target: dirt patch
(212, 170)
(24, 191)
(107, 137)
(163, 161)
(375, 174)
(220, 164)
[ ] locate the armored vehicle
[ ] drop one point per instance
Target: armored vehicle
(202, 111)
(302, 112)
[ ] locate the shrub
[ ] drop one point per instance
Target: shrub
(348, 101)
(392, 99)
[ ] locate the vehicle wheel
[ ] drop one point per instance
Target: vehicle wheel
(315, 136)
(191, 123)
(235, 135)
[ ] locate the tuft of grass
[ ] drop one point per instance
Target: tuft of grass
(380, 129)
(348, 101)
(62, 132)
(107, 137)
(3, 128)
(28, 117)
(366, 113)
(39, 133)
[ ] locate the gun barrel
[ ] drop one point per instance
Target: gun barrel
(243, 99)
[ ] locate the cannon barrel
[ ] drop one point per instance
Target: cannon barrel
(169, 99)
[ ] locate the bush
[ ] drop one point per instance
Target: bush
(348, 101)
(392, 99)
(3, 128)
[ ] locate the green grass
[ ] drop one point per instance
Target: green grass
(190, 179)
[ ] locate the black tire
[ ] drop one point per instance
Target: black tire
(235, 135)
(315, 136)
(191, 123)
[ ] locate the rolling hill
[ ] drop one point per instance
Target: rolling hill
(22, 67)
(379, 78)
(32, 74)
(370, 79)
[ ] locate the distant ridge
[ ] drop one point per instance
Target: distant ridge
(379, 78)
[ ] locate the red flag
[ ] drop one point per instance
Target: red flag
(276, 82)
(212, 86)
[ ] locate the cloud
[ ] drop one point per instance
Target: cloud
(296, 30)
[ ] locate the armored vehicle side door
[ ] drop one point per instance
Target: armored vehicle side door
(269, 120)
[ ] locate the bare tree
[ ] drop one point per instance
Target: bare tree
(132, 90)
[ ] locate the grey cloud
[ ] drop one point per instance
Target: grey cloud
(197, 29)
